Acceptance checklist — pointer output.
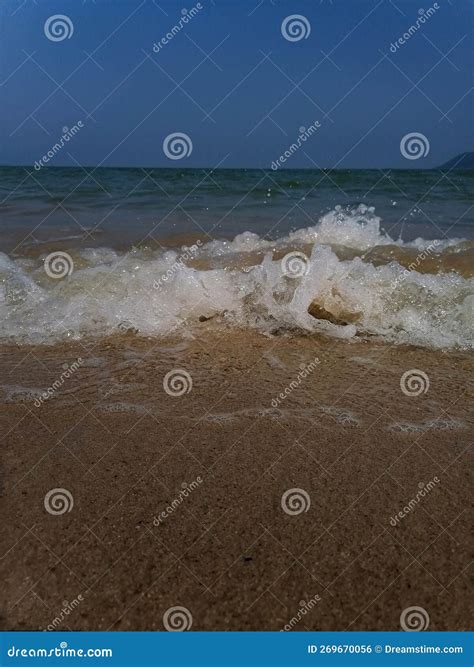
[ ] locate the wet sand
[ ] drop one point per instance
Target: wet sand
(356, 448)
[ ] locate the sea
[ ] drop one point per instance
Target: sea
(348, 254)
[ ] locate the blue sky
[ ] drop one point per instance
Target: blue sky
(232, 82)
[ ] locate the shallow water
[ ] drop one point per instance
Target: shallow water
(346, 272)
(118, 207)
(122, 440)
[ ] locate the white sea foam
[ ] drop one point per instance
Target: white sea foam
(436, 424)
(344, 417)
(357, 228)
(346, 297)
(17, 394)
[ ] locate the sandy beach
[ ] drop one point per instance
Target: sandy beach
(236, 332)
(282, 476)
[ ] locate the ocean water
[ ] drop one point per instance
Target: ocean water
(349, 254)
(125, 206)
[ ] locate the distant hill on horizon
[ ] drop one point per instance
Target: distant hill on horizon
(462, 161)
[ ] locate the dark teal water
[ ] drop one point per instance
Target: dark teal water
(122, 206)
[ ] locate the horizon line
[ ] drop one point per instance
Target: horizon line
(213, 169)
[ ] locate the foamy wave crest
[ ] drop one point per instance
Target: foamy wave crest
(240, 283)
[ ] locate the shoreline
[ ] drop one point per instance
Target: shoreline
(125, 449)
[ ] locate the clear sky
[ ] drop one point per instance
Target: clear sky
(232, 82)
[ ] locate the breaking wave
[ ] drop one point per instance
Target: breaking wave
(354, 281)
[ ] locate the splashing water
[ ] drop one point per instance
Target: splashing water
(355, 283)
